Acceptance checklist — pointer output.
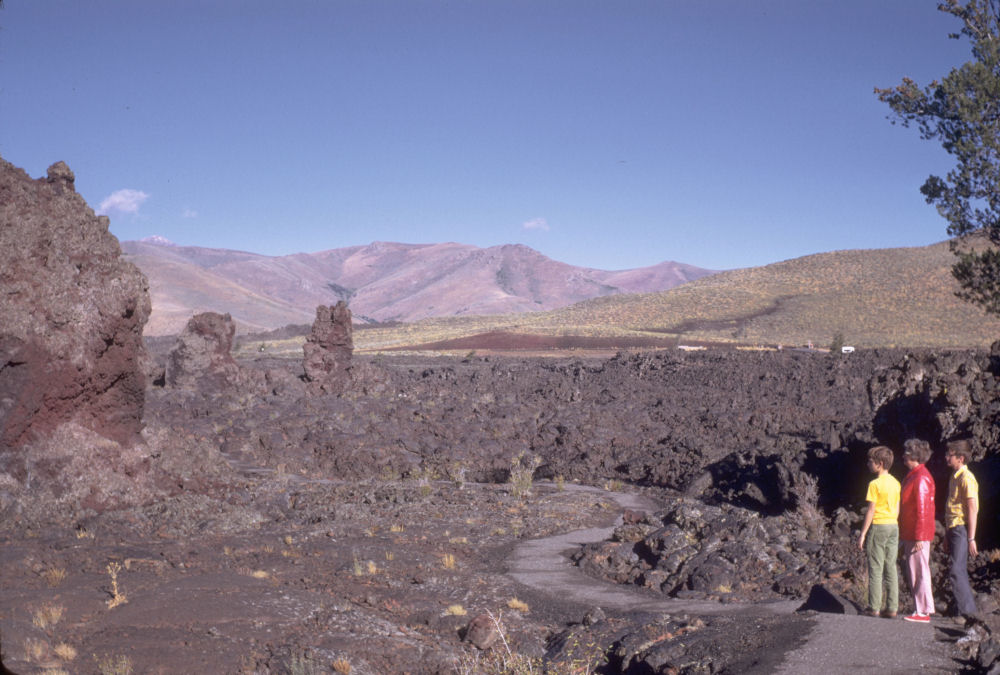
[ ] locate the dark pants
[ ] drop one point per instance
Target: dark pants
(958, 570)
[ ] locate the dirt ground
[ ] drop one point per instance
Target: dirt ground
(300, 576)
(381, 576)
(293, 575)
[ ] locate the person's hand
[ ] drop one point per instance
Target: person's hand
(861, 542)
(973, 549)
(920, 546)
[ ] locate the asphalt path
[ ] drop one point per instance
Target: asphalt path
(841, 643)
(837, 642)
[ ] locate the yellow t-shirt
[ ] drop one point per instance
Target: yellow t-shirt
(962, 486)
(884, 491)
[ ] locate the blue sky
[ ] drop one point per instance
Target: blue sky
(612, 134)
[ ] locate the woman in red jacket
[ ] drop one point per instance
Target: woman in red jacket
(916, 526)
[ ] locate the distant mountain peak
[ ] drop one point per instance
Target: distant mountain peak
(385, 281)
(158, 240)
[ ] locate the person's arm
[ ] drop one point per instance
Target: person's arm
(869, 515)
(925, 511)
(972, 516)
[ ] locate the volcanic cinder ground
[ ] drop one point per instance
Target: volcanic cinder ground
(366, 530)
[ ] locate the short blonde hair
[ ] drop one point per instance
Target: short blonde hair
(881, 455)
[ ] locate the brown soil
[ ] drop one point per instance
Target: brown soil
(382, 575)
(517, 342)
(288, 574)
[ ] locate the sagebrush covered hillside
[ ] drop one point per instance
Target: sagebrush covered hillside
(899, 297)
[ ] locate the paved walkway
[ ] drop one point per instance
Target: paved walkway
(841, 643)
(837, 643)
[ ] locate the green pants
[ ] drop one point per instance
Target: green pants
(881, 545)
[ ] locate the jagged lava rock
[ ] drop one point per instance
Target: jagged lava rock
(329, 347)
(203, 350)
(938, 396)
(72, 315)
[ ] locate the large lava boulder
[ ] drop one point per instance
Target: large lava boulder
(328, 349)
(203, 350)
(697, 550)
(72, 317)
(937, 396)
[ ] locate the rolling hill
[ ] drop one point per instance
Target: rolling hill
(900, 297)
(383, 282)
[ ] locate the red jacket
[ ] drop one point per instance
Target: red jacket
(916, 506)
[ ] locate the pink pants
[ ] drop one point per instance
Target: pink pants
(919, 575)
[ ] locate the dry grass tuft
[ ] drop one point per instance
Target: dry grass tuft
(65, 652)
(47, 615)
(36, 650)
(54, 576)
(305, 664)
(614, 485)
(114, 665)
(518, 605)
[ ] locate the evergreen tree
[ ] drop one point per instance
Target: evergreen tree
(962, 112)
(837, 344)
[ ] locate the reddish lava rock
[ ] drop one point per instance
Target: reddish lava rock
(71, 339)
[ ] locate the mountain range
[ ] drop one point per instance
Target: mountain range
(892, 297)
(382, 282)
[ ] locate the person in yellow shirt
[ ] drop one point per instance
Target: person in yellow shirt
(881, 528)
(961, 515)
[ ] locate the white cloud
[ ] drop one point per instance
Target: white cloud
(122, 201)
(189, 213)
(536, 224)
